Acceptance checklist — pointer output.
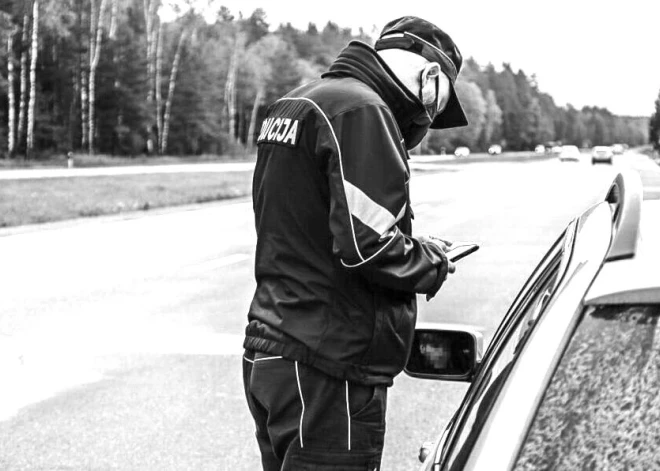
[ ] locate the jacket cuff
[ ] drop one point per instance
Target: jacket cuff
(441, 275)
(434, 278)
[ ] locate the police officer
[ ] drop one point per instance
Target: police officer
(337, 269)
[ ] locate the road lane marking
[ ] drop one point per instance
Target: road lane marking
(214, 264)
(225, 261)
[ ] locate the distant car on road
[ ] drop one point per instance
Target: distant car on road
(462, 152)
(602, 154)
(540, 149)
(569, 153)
(571, 377)
(555, 150)
(618, 149)
(495, 149)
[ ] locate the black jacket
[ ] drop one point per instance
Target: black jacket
(336, 267)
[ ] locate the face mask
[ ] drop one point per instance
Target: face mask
(415, 131)
(419, 126)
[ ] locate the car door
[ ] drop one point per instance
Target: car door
(507, 342)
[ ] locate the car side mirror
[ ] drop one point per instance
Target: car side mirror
(445, 352)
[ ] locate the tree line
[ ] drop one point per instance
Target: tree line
(113, 77)
(654, 126)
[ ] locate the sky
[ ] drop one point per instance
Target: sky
(583, 52)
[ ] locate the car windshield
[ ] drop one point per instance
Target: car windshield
(602, 407)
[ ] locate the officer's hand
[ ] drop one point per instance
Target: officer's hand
(431, 239)
(443, 244)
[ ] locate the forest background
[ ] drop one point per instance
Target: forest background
(111, 77)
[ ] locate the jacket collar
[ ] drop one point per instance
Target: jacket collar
(362, 62)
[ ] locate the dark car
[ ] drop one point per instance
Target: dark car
(571, 377)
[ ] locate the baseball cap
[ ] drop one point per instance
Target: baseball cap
(421, 37)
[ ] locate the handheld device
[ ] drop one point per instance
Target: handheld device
(459, 250)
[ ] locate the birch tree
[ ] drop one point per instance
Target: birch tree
(33, 77)
(170, 93)
(112, 34)
(159, 93)
(150, 8)
(96, 35)
(11, 111)
(82, 82)
(230, 85)
(22, 104)
(150, 18)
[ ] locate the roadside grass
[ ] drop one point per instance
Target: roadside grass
(102, 160)
(55, 199)
(36, 201)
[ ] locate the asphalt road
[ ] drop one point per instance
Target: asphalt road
(120, 337)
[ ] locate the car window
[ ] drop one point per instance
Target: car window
(506, 345)
(559, 250)
(602, 407)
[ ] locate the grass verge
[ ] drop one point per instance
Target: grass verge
(56, 199)
(102, 160)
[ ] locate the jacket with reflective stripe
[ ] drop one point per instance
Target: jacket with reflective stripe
(336, 267)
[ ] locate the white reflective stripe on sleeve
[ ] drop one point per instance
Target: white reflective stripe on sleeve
(341, 165)
(302, 401)
(348, 416)
(402, 211)
(368, 211)
(391, 236)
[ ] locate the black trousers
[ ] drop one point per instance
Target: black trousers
(307, 420)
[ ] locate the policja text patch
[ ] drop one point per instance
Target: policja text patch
(277, 130)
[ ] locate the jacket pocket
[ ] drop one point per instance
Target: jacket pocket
(395, 314)
(367, 403)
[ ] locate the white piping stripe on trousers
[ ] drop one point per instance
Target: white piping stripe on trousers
(302, 413)
(267, 358)
(341, 165)
(348, 416)
(260, 359)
